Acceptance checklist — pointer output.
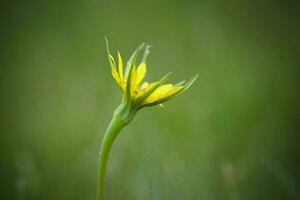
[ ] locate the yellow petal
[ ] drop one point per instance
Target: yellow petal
(112, 61)
(159, 92)
(175, 90)
(163, 91)
(133, 80)
(137, 76)
(114, 70)
(145, 87)
(120, 66)
(116, 76)
(140, 73)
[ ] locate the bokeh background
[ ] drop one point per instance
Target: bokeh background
(234, 135)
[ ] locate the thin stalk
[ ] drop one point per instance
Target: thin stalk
(112, 131)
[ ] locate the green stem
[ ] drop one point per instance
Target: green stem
(112, 131)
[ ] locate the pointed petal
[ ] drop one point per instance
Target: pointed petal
(140, 73)
(129, 69)
(120, 64)
(112, 64)
(117, 79)
(112, 61)
(132, 59)
(175, 92)
(150, 89)
(133, 80)
(162, 92)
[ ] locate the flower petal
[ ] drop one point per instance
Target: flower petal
(117, 77)
(163, 92)
(133, 80)
(146, 87)
(140, 73)
(129, 69)
(146, 92)
(177, 90)
(120, 66)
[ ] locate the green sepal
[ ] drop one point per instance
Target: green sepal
(188, 84)
(108, 53)
(146, 53)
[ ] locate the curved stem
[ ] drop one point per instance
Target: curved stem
(112, 131)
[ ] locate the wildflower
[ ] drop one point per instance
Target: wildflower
(137, 94)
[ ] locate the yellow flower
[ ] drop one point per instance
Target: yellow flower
(137, 92)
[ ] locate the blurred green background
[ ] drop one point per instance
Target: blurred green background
(233, 135)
